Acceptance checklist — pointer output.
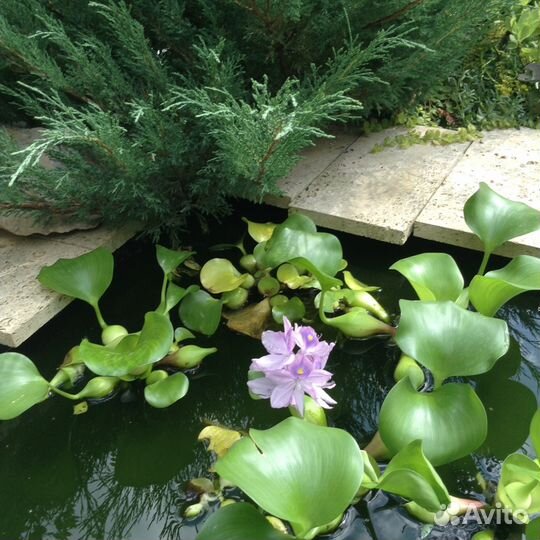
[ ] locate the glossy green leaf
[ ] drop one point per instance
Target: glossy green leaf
(488, 293)
(169, 259)
(167, 391)
(292, 239)
(174, 295)
(535, 432)
(510, 406)
(410, 475)
(153, 344)
(449, 340)
(496, 219)
(293, 309)
(288, 274)
(451, 421)
(290, 469)
(260, 232)
(357, 285)
(85, 277)
(358, 323)
(201, 312)
(434, 276)
(219, 275)
(21, 385)
(259, 252)
(325, 280)
(181, 334)
(299, 222)
(239, 521)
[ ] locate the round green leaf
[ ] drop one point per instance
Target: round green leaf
(496, 219)
(201, 312)
(293, 309)
(450, 340)
(169, 259)
(21, 385)
(410, 475)
(219, 275)
(153, 344)
(434, 276)
(451, 422)
(509, 406)
(85, 277)
(260, 232)
(167, 391)
(239, 521)
(290, 470)
(291, 239)
(488, 293)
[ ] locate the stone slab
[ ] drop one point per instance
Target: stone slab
(25, 306)
(509, 162)
(377, 195)
(314, 160)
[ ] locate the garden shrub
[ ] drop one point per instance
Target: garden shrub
(162, 110)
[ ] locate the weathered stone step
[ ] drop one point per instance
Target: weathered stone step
(420, 190)
(25, 306)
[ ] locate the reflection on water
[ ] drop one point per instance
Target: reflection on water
(119, 471)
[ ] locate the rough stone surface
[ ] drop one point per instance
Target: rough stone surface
(25, 305)
(313, 162)
(377, 195)
(509, 162)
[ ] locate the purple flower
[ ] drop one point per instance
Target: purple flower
(280, 345)
(288, 374)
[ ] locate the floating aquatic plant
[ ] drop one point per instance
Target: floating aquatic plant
(122, 357)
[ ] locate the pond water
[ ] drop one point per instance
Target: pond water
(120, 470)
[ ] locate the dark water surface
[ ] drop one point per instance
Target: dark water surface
(119, 471)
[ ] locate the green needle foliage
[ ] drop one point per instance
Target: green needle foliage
(159, 110)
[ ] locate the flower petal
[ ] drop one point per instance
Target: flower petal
(282, 395)
(262, 387)
(271, 362)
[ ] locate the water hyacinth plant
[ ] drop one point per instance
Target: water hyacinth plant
(293, 367)
(287, 263)
(155, 354)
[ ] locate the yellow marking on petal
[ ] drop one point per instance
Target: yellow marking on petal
(310, 338)
(300, 371)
